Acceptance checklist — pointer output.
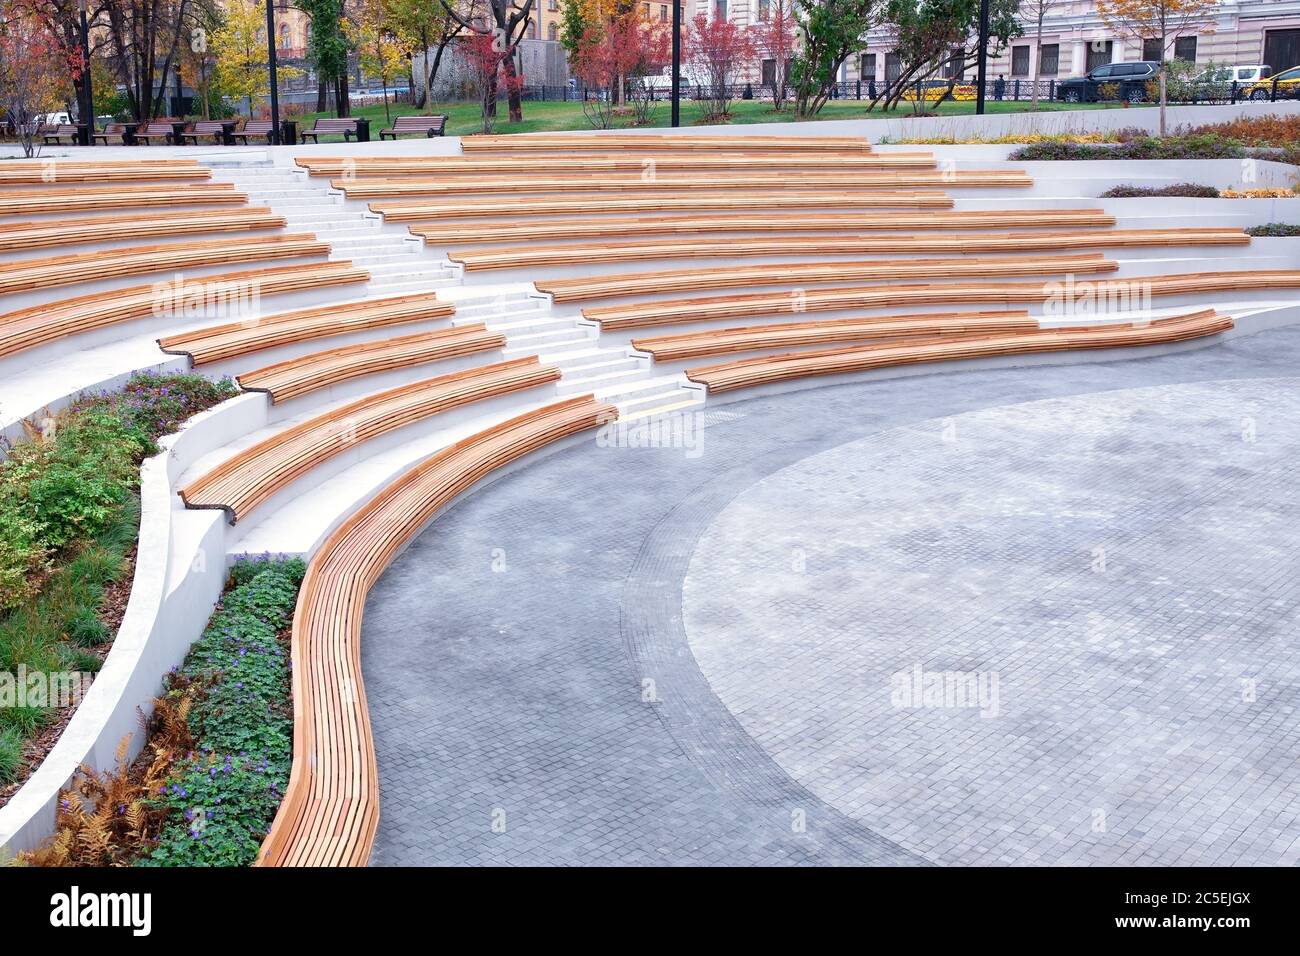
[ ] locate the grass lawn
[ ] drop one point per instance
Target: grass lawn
(547, 116)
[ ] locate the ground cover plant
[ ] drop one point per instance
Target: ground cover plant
(1185, 190)
(1274, 229)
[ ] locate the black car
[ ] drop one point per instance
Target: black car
(1111, 81)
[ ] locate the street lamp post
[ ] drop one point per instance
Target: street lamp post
(983, 54)
(677, 62)
(275, 92)
(87, 94)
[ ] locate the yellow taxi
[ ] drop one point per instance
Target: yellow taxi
(1288, 86)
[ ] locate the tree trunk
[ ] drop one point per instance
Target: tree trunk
(1038, 51)
(433, 74)
(342, 108)
(322, 94)
(512, 89)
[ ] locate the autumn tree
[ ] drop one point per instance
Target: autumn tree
(368, 29)
(239, 49)
(196, 62)
(35, 70)
(503, 26)
(831, 30)
(774, 37)
(1162, 21)
(421, 26)
(327, 52)
(1037, 11)
(141, 38)
(616, 54)
(716, 51)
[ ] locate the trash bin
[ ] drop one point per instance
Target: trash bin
(288, 132)
(363, 130)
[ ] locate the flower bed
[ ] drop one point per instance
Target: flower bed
(1185, 190)
(1275, 229)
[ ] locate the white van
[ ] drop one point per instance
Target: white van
(1250, 74)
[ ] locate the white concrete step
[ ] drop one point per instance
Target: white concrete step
(537, 342)
(387, 287)
(658, 407)
(605, 360)
(577, 384)
(661, 399)
(623, 393)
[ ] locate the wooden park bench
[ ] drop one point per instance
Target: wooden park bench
(429, 126)
(216, 129)
(58, 134)
(254, 128)
(114, 134)
(161, 130)
(331, 126)
(331, 805)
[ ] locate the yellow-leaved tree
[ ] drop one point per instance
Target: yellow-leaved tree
(239, 47)
(1160, 20)
(369, 28)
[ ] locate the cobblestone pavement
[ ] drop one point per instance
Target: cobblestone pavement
(1123, 562)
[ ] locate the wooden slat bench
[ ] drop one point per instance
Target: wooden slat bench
(604, 142)
(221, 342)
(490, 164)
(75, 171)
(215, 129)
(584, 288)
(113, 133)
(519, 256)
(428, 126)
(52, 271)
(71, 232)
(15, 202)
(163, 131)
(311, 373)
(756, 338)
(514, 206)
(331, 126)
(42, 324)
(331, 805)
(248, 479)
(746, 373)
(60, 134)
(712, 308)
(254, 128)
(595, 227)
(362, 188)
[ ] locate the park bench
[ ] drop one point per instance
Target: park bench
(254, 128)
(582, 288)
(766, 369)
(331, 126)
(216, 129)
(221, 342)
(326, 368)
(52, 321)
(727, 307)
(58, 134)
(430, 126)
(162, 129)
(71, 232)
(14, 202)
(331, 805)
(24, 275)
(113, 134)
(256, 474)
(514, 206)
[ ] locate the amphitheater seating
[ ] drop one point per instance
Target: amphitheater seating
(489, 164)
(318, 370)
(517, 207)
(575, 227)
(49, 172)
(584, 288)
(29, 274)
(376, 188)
(331, 805)
(43, 324)
(15, 202)
(746, 373)
(634, 141)
(70, 232)
(220, 342)
(514, 257)
(676, 311)
(754, 338)
(254, 475)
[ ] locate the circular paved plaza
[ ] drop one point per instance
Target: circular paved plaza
(1038, 615)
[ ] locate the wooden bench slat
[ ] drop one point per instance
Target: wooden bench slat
(70, 232)
(331, 805)
(746, 373)
(434, 125)
(14, 202)
(256, 474)
(605, 142)
(480, 165)
(328, 367)
(74, 171)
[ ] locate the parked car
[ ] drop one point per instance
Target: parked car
(1288, 86)
(1249, 74)
(1110, 81)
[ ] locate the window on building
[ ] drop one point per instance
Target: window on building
(552, 5)
(1020, 61)
(1185, 49)
(867, 66)
(1151, 50)
(663, 13)
(764, 9)
(1099, 53)
(893, 67)
(720, 9)
(955, 65)
(769, 73)
(532, 29)
(552, 31)
(1049, 59)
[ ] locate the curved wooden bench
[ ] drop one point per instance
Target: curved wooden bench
(583, 288)
(42, 324)
(606, 141)
(14, 202)
(676, 311)
(597, 227)
(480, 165)
(416, 210)
(754, 338)
(747, 373)
(515, 257)
(68, 232)
(331, 806)
(247, 480)
(310, 373)
(53, 271)
(119, 171)
(519, 185)
(219, 342)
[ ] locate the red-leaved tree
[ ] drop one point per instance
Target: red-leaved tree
(774, 39)
(716, 50)
(484, 57)
(36, 70)
(613, 59)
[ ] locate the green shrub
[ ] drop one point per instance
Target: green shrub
(86, 629)
(223, 797)
(1274, 229)
(1190, 190)
(11, 754)
(1188, 146)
